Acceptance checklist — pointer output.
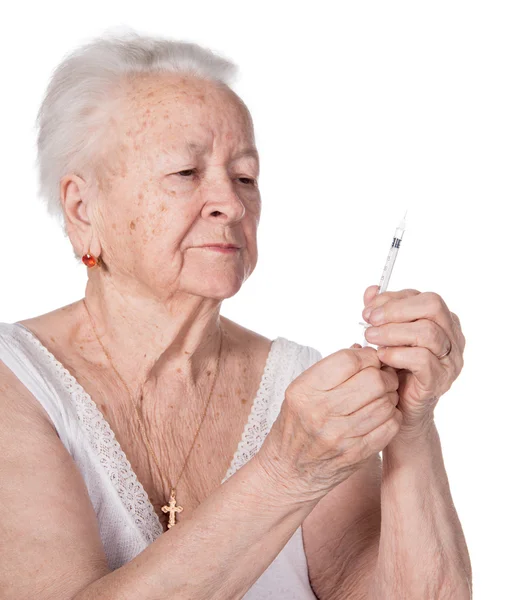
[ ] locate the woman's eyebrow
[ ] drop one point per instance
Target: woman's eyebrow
(201, 149)
(250, 151)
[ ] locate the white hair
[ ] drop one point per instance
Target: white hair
(73, 115)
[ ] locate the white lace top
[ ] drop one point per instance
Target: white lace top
(127, 520)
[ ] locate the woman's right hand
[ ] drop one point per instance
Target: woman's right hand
(335, 415)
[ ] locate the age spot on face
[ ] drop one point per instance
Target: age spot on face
(132, 225)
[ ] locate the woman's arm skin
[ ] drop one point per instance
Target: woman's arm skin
(218, 554)
(50, 542)
(422, 550)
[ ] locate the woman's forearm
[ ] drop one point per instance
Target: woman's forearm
(422, 550)
(218, 553)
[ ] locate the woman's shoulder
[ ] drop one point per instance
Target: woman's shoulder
(257, 344)
(24, 353)
(54, 326)
(15, 373)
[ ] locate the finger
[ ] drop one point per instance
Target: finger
(381, 436)
(381, 299)
(393, 374)
(370, 293)
(455, 319)
(390, 377)
(422, 333)
(459, 336)
(369, 417)
(428, 370)
(426, 305)
(336, 368)
(361, 389)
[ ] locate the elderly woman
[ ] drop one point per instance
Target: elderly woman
(151, 448)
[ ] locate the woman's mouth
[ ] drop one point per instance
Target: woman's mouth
(232, 250)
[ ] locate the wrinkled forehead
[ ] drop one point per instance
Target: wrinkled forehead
(164, 107)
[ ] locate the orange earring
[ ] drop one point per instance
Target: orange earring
(90, 260)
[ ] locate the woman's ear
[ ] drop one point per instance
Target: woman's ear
(74, 207)
(72, 193)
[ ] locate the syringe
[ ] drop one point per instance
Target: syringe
(388, 268)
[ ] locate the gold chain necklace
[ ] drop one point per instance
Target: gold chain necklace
(172, 507)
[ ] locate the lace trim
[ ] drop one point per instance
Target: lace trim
(103, 440)
(264, 411)
(115, 462)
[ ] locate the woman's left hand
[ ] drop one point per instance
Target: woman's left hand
(416, 329)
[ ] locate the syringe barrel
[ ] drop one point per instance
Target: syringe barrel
(399, 233)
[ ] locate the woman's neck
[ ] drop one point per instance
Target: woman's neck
(149, 339)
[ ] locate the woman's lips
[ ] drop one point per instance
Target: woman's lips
(223, 250)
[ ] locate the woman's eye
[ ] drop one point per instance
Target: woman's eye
(189, 171)
(251, 181)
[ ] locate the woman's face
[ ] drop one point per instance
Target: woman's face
(149, 217)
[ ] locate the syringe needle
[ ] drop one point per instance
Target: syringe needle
(388, 267)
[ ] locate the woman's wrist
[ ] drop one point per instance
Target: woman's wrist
(280, 487)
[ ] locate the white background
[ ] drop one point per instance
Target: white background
(362, 110)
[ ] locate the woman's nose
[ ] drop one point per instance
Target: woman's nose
(222, 197)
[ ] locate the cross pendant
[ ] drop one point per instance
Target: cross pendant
(172, 509)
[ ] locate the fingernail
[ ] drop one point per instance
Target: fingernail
(366, 313)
